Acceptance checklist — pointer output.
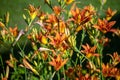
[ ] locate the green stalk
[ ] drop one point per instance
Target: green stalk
(58, 75)
(77, 50)
(64, 73)
(53, 75)
(2, 65)
(100, 51)
(83, 36)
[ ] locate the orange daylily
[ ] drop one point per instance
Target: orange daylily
(68, 1)
(110, 71)
(14, 31)
(41, 15)
(105, 26)
(110, 13)
(33, 11)
(62, 26)
(87, 77)
(89, 51)
(104, 41)
(82, 16)
(115, 58)
(57, 10)
(58, 62)
(4, 78)
(76, 73)
(44, 55)
(58, 39)
(52, 19)
(90, 9)
(42, 38)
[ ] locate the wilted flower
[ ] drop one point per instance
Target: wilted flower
(28, 66)
(104, 41)
(70, 72)
(12, 61)
(115, 58)
(2, 25)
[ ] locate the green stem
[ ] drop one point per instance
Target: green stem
(83, 36)
(83, 55)
(64, 73)
(2, 65)
(53, 75)
(100, 51)
(58, 75)
(22, 51)
(25, 74)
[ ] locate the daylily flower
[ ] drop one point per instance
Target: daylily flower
(68, 1)
(87, 77)
(90, 9)
(57, 62)
(82, 16)
(115, 58)
(104, 41)
(43, 39)
(14, 31)
(41, 15)
(33, 11)
(44, 55)
(105, 26)
(74, 72)
(57, 40)
(109, 70)
(89, 51)
(70, 72)
(57, 10)
(52, 19)
(62, 27)
(110, 13)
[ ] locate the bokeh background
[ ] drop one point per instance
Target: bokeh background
(16, 8)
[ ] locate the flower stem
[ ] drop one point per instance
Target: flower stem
(2, 65)
(53, 75)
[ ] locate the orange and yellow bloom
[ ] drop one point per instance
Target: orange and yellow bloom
(105, 26)
(57, 62)
(89, 51)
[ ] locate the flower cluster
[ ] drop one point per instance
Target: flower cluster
(67, 44)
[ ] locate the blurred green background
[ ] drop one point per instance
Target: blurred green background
(16, 8)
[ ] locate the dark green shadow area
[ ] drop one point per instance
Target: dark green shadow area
(16, 8)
